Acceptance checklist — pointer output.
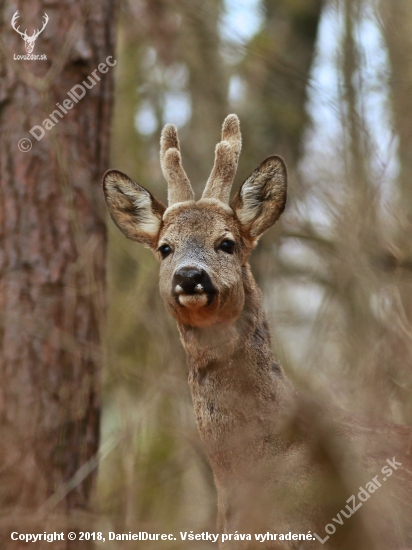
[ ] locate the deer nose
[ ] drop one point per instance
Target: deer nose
(190, 280)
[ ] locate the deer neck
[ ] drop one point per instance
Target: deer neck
(239, 391)
(222, 342)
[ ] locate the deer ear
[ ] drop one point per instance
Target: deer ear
(262, 198)
(133, 209)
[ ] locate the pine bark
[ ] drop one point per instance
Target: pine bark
(52, 258)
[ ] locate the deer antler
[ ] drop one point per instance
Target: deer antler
(13, 24)
(179, 188)
(36, 34)
(226, 160)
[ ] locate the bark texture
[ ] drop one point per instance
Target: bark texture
(52, 257)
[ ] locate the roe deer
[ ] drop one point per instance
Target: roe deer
(285, 474)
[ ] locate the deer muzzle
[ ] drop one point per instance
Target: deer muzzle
(192, 287)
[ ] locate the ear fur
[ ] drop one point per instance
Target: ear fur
(262, 198)
(133, 209)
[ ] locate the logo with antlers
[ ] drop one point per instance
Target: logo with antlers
(29, 40)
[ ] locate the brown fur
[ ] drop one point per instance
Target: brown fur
(280, 463)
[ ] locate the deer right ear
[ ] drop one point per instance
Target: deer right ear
(133, 209)
(262, 198)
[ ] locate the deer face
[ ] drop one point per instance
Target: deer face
(201, 251)
(203, 246)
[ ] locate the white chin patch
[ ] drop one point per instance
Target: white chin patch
(194, 301)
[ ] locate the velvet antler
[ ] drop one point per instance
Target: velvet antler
(226, 161)
(179, 188)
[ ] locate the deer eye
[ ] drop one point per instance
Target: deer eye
(227, 246)
(165, 250)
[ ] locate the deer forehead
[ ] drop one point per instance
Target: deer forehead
(203, 220)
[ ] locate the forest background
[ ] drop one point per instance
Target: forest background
(327, 85)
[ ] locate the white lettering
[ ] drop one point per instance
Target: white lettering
(73, 92)
(33, 132)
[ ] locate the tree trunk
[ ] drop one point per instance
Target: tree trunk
(396, 19)
(396, 25)
(208, 85)
(52, 259)
(277, 71)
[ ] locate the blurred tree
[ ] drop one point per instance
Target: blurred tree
(396, 19)
(276, 72)
(201, 50)
(52, 264)
(357, 232)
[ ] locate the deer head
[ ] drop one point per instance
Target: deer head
(202, 246)
(29, 40)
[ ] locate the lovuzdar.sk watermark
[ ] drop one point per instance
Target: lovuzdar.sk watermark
(75, 94)
(29, 40)
(364, 494)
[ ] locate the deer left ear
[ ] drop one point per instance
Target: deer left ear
(262, 198)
